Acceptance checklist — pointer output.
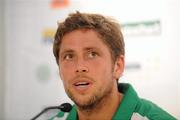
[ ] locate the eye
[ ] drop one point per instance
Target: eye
(92, 54)
(68, 56)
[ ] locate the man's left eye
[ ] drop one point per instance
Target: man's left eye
(92, 55)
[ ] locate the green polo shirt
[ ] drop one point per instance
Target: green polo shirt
(131, 108)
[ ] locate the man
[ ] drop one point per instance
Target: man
(89, 50)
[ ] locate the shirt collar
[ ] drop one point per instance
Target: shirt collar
(73, 114)
(128, 103)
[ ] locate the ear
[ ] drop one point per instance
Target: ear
(119, 67)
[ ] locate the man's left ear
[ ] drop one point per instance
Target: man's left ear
(119, 66)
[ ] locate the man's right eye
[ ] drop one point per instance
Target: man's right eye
(68, 57)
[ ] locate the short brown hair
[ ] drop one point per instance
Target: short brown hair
(107, 28)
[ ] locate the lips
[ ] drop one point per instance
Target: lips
(82, 86)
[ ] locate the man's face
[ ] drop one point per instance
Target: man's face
(86, 67)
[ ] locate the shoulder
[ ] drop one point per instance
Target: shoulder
(151, 111)
(140, 108)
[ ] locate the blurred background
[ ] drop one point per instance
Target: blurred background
(29, 79)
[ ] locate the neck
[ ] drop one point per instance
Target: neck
(108, 104)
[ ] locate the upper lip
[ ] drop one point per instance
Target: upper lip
(82, 81)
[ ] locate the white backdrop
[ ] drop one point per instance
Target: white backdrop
(32, 80)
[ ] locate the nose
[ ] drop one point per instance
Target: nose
(81, 67)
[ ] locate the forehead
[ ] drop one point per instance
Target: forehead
(82, 39)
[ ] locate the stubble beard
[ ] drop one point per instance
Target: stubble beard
(94, 99)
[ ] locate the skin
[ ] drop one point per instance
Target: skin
(89, 75)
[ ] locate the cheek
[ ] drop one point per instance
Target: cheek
(64, 76)
(66, 70)
(101, 69)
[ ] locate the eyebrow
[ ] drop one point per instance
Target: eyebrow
(61, 53)
(91, 48)
(85, 49)
(67, 51)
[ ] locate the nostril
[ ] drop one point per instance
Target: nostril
(82, 69)
(77, 70)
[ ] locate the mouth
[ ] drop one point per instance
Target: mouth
(82, 87)
(81, 84)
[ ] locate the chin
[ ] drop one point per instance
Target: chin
(82, 101)
(86, 103)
